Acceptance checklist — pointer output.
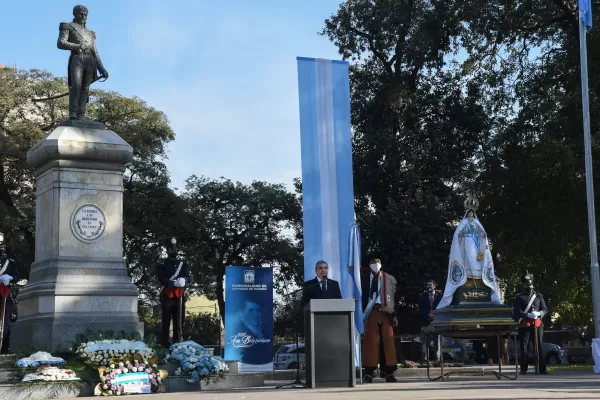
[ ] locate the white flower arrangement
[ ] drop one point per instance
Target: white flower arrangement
(51, 374)
(104, 352)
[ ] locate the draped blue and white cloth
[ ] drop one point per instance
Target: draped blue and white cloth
(469, 240)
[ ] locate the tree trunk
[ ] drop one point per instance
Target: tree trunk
(220, 295)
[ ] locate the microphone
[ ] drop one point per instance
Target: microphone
(324, 279)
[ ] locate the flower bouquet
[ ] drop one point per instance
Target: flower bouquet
(128, 377)
(105, 352)
(410, 364)
(51, 374)
(196, 362)
(39, 358)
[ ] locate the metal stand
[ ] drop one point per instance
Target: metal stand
(442, 376)
(471, 334)
(499, 374)
(297, 384)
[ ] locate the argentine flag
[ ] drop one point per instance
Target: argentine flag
(585, 12)
(355, 289)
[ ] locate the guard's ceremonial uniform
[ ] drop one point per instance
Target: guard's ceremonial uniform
(173, 274)
(9, 273)
(530, 307)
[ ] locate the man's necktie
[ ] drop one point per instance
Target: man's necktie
(324, 289)
(430, 301)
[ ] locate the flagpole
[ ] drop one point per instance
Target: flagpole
(595, 275)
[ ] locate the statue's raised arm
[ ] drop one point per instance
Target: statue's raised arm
(84, 61)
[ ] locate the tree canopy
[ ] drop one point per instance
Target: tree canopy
(481, 98)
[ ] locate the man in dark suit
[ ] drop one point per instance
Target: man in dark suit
(320, 287)
(428, 302)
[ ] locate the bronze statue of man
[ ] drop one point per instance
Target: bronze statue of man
(84, 61)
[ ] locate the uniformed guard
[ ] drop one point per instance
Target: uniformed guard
(173, 274)
(84, 61)
(529, 307)
(9, 273)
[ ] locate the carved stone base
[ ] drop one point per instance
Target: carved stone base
(79, 280)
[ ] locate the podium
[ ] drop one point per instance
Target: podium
(329, 343)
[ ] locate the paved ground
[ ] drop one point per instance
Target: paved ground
(563, 385)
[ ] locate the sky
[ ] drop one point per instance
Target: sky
(224, 72)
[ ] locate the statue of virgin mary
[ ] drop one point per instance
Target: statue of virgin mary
(470, 261)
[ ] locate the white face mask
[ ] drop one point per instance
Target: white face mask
(375, 267)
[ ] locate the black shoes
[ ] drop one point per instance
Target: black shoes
(388, 378)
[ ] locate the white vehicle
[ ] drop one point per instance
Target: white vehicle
(288, 356)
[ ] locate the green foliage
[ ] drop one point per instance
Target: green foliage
(287, 314)
(238, 224)
(202, 328)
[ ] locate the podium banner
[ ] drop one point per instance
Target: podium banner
(249, 317)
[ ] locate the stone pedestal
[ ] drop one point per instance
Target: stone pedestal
(79, 280)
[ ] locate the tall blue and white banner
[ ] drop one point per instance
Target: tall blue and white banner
(249, 317)
(327, 187)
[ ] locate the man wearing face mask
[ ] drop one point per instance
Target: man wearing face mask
(428, 302)
(530, 308)
(173, 274)
(378, 301)
(320, 287)
(9, 273)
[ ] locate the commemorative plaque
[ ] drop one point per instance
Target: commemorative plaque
(88, 223)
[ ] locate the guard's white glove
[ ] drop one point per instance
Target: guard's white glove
(5, 279)
(179, 282)
(531, 315)
(537, 314)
